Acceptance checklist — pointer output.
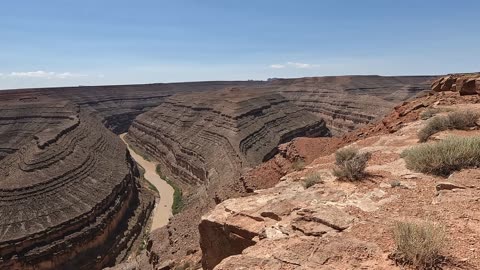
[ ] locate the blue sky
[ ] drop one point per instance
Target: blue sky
(87, 42)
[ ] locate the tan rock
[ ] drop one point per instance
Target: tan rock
(448, 186)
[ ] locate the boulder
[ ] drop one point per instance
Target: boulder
(468, 87)
(447, 83)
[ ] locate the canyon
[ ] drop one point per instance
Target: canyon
(69, 191)
(71, 196)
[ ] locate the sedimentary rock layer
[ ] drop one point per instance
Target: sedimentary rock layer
(69, 196)
(117, 105)
(208, 138)
(347, 102)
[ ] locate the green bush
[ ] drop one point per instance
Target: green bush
(418, 244)
(443, 157)
(350, 164)
(456, 120)
(312, 179)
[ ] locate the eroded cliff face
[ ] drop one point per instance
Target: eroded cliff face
(117, 105)
(203, 139)
(349, 102)
(69, 191)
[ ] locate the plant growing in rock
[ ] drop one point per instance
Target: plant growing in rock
(298, 164)
(312, 179)
(418, 244)
(350, 164)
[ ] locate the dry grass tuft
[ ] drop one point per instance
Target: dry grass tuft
(443, 157)
(462, 120)
(429, 113)
(418, 244)
(312, 179)
(350, 164)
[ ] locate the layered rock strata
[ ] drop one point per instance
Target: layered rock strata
(207, 138)
(348, 102)
(69, 195)
(203, 142)
(117, 105)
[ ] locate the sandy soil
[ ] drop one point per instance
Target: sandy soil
(163, 207)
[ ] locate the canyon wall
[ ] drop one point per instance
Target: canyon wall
(203, 138)
(69, 191)
(118, 105)
(204, 141)
(348, 102)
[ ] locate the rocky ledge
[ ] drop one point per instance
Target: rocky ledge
(69, 191)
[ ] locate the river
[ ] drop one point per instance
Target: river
(163, 206)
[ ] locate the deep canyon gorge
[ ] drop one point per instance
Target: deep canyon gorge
(72, 196)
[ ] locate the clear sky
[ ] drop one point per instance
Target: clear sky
(89, 42)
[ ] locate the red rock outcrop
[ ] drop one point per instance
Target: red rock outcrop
(69, 191)
(465, 84)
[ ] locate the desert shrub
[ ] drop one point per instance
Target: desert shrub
(350, 164)
(429, 113)
(418, 244)
(395, 183)
(345, 154)
(443, 157)
(462, 120)
(298, 164)
(456, 120)
(312, 179)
